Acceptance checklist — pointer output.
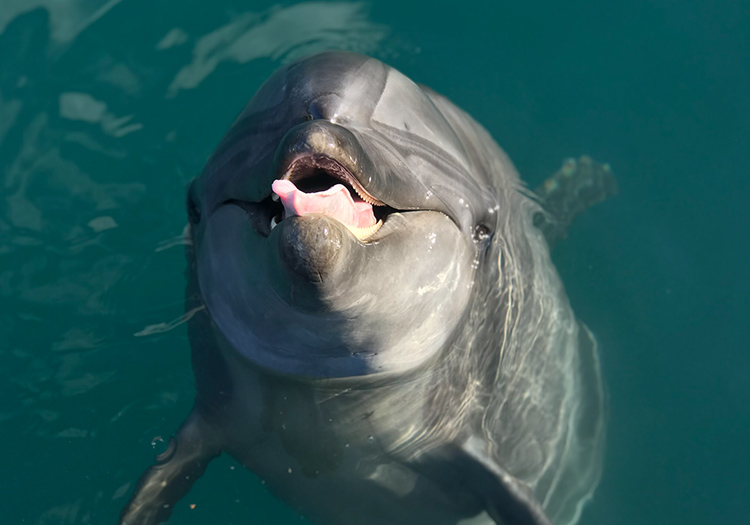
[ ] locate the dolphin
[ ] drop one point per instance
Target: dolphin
(380, 334)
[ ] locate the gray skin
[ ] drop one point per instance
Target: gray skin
(431, 374)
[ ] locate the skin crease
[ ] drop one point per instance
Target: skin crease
(431, 374)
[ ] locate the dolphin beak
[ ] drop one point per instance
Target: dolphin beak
(324, 146)
(320, 165)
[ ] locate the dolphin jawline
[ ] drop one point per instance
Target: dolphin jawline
(315, 156)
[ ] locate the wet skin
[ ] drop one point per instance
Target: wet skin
(427, 373)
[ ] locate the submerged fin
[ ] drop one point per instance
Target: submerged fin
(468, 469)
(174, 473)
(506, 499)
(574, 188)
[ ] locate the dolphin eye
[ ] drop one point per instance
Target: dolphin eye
(482, 233)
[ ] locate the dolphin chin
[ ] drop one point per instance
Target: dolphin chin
(306, 300)
(311, 251)
(380, 333)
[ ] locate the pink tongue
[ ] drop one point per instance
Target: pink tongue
(335, 202)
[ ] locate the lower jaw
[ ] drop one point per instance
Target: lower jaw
(364, 234)
(361, 234)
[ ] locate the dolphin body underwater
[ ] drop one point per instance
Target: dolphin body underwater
(384, 339)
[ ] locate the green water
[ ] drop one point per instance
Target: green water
(109, 108)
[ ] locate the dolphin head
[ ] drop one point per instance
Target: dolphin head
(337, 227)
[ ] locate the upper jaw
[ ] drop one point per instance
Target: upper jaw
(384, 173)
(315, 155)
(305, 167)
(323, 145)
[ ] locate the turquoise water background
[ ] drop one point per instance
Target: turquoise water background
(109, 108)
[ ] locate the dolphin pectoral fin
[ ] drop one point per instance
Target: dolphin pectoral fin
(467, 471)
(571, 190)
(173, 474)
(506, 499)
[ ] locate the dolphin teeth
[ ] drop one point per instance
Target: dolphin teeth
(369, 200)
(363, 233)
(274, 221)
(274, 197)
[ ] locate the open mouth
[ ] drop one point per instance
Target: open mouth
(318, 184)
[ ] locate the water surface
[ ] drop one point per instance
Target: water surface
(109, 108)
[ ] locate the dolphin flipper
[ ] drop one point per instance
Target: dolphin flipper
(506, 499)
(571, 190)
(173, 474)
(467, 468)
